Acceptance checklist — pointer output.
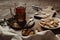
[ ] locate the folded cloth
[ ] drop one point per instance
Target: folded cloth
(9, 34)
(45, 35)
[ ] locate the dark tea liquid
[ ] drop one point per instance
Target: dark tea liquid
(21, 14)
